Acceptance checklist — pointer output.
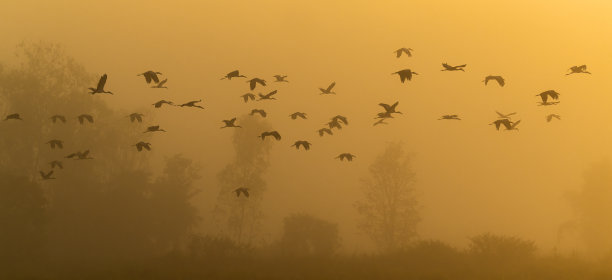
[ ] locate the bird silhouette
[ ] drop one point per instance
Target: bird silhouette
(56, 163)
(328, 90)
(135, 117)
(453, 68)
(161, 84)
(150, 76)
(505, 116)
(506, 122)
(513, 126)
(230, 123)
(46, 176)
(192, 104)
(390, 108)
(334, 124)
(274, 133)
(401, 51)
(100, 87)
(55, 118)
(544, 95)
(551, 116)
(499, 79)
(261, 112)
(325, 130)
(298, 114)
(153, 128)
(381, 121)
(244, 191)
(343, 119)
(79, 155)
(13, 117)
(248, 96)
(281, 78)
(253, 83)
(84, 117)
(140, 145)
(233, 74)
(450, 117)
(384, 115)
(578, 69)
(267, 96)
(405, 74)
(158, 104)
(347, 156)
(304, 144)
(55, 143)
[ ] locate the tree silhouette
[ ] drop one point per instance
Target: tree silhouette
(305, 235)
(240, 217)
(388, 211)
(592, 205)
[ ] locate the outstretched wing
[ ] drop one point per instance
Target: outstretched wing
(331, 86)
(276, 135)
(102, 82)
(386, 106)
(162, 83)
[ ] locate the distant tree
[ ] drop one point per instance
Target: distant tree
(592, 205)
(305, 235)
(501, 247)
(240, 217)
(388, 213)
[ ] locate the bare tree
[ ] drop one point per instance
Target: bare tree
(242, 215)
(592, 205)
(388, 212)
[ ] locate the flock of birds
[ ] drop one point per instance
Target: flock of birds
(549, 97)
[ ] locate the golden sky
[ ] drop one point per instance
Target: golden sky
(471, 178)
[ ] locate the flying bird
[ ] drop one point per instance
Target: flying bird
(84, 117)
(578, 69)
(261, 112)
(544, 95)
(192, 104)
(244, 191)
(325, 130)
(450, 117)
(506, 122)
(505, 116)
(233, 74)
(405, 74)
(56, 143)
(401, 51)
(140, 145)
(79, 155)
(280, 78)
(513, 126)
(253, 82)
(347, 156)
(13, 117)
(343, 119)
(56, 163)
(298, 114)
(46, 176)
(453, 68)
(334, 124)
(150, 76)
(551, 116)
(384, 115)
(161, 84)
(499, 79)
(230, 123)
(55, 118)
(248, 96)
(135, 117)
(153, 128)
(274, 133)
(328, 90)
(162, 102)
(390, 108)
(304, 144)
(100, 87)
(267, 96)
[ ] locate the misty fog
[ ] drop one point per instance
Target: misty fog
(421, 197)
